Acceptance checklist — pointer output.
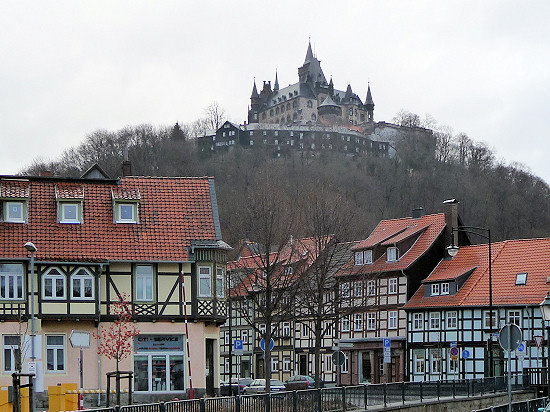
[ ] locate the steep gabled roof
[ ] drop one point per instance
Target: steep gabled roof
(388, 232)
(509, 258)
(173, 212)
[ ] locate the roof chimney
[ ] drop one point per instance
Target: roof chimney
(451, 220)
(45, 173)
(126, 164)
(418, 213)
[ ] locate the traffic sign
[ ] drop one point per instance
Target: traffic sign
(520, 351)
(387, 342)
(510, 337)
(465, 354)
(454, 352)
(238, 346)
(387, 350)
(338, 358)
(271, 344)
(538, 340)
(79, 339)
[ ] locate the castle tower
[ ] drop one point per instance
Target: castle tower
(369, 105)
(276, 85)
(311, 71)
(255, 103)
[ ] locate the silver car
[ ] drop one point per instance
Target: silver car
(258, 386)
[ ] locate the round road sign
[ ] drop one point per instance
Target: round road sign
(510, 337)
(338, 358)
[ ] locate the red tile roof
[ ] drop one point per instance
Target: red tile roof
(172, 213)
(508, 259)
(14, 189)
(428, 228)
(69, 191)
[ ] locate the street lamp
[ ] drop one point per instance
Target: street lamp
(31, 248)
(452, 250)
(545, 311)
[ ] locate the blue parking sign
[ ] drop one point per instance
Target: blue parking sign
(387, 342)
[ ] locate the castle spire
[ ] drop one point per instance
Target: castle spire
(368, 100)
(276, 85)
(331, 87)
(309, 53)
(254, 91)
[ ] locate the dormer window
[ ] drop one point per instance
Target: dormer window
(70, 212)
(126, 212)
(435, 289)
(358, 258)
(367, 257)
(445, 288)
(521, 278)
(391, 254)
(126, 205)
(14, 211)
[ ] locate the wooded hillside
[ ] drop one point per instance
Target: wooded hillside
(508, 199)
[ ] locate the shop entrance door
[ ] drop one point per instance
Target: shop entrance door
(210, 366)
(365, 365)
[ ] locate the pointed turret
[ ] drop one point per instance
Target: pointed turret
(254, 94)
(331, 88)
(349, 92)
(309, 53)
(369, 105)
(276, 85)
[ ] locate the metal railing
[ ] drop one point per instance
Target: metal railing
(339, 399)
(522, 406)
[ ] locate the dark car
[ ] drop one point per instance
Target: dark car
(236, 387)
(298, 382)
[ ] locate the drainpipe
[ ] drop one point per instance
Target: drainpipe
(99, 334)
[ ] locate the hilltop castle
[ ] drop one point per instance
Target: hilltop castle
(310, 101)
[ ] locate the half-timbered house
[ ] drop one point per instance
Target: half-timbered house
(155, 240)
(385, 271)
(452, 309)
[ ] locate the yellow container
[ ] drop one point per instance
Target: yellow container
(4, 405)
(56, 398)
(71, 399)
(24, 399)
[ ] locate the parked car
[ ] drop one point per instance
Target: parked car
(236, 387)
(258, 386)
(298, 382)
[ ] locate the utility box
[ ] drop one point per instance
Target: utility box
(5, 400)
(60, 400)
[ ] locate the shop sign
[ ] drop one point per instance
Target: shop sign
(158, 343)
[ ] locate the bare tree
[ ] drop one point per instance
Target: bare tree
(215, 115)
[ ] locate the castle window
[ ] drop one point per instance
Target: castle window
(271, 112)
(276, 133)
(313, 117)
(309, 103)
(265, 133)
(252, 133)
(288, 119)
(276, 110)
(294, 104)
(295, 116)
(263, 116)
(351, 112)
(288, 106)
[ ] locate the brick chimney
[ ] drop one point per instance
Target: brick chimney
(417, 212)
(126, 164)
(451, 220)
(45, 173)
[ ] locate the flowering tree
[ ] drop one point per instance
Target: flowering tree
(115, 341)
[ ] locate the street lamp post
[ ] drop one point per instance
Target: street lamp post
(31, 248)
(453, 250)
(545, 312)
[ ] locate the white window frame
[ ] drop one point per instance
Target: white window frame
(514, 316)
(328, 363)
(358, 322)
(392, 286)
(419, 362)
(205, 281)
(359, 258)
(56, 350)
(435, 289)
(358, 289)
(286, 364)
(244, 336)
(12, 281)
(81, 278)
(345, 289)
(10, 348)
(345, 324)
(220, 283)
(391, 254)
(435, 361)
(118, 212)
(392, 319)
(275, 364)
(344, 367)
(286, 329)
(418, 321)
(63, 212)
(435, 320)
(17, 219)
(521, 278)
(452, 319)
(145, 284)
(371, 288)
(226, 338)
(445, 288)
(52, 277)
(367, 257)
(486, 319)
(371, 321)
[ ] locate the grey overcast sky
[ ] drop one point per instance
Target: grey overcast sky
(71, 67)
